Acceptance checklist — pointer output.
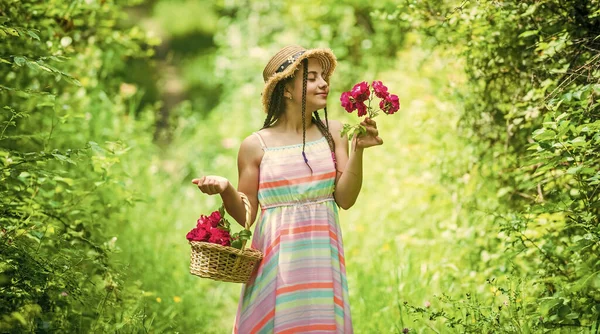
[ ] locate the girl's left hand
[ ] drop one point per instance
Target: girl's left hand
(371, 138)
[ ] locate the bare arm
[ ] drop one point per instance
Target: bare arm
(350, 167)
(249, 157)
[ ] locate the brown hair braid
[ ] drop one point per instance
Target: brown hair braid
(324, 128)
(304, 80)
(276, 104)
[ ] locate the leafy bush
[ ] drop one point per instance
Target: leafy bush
(62, 106)
(532, 112)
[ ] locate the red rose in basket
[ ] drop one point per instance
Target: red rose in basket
(216, 229)
(359, 98)
(218, 254)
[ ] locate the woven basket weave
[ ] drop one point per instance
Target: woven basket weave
(224, 263)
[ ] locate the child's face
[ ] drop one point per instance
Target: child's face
(316, 87)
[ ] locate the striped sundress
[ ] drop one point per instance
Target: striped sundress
(300, 285)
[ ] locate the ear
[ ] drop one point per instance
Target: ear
(287, 94)
(288, 88)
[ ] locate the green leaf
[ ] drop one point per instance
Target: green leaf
(588, 171)
(95, 147)
(72, 80)
(563, 311)
(574, 170)
(20, 61)
(528, 33)
(33, 35)
(245, 234)
(560, 70)
(45, 68)
(345, 130)
(530, 10)
(579, 141)
(549, 304)
(32, 65)
(543, 133)
(37, 234)
(66, 180)
(236, 244)
(19, 317)
(63, 158)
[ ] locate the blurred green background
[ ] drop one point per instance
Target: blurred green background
(479, 214)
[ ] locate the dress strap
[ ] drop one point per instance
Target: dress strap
(262, 142)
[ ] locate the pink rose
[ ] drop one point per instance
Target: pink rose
(198, 234)
(390, 104)
(362, 109)
(214, 218)
(204, 223)
(393, 99)
(201, 221)
(360, 92)
(220, 237)
(347, 103)
(380, 90)
(384, 105)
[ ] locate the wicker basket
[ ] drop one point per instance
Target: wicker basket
(224, 263)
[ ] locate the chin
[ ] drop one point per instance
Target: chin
(317, 106)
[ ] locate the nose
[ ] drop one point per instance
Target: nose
(322, 83)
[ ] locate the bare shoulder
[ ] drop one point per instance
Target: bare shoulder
(335, 127)
(250, 150)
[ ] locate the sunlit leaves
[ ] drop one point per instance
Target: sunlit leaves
(532, 109)
(57, 196)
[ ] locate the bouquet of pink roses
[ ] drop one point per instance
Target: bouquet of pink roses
(355, 100)
(216, 229)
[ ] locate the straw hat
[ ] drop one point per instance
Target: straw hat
(286, 61)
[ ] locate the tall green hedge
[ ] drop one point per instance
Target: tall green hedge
(62, 104)
(531, 111)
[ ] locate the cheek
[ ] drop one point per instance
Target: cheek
(311, 87)
(298, 91)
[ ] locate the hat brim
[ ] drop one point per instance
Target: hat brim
(326, 58)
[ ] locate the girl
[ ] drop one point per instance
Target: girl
(298, 169)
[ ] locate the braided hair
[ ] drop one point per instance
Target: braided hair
(277, 106)
(324, 128)
(304, 80)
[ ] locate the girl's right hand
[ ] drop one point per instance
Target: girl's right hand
(211, 184)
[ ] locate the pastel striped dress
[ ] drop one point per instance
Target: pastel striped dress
(300, 285)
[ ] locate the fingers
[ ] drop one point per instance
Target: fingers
(373, 131)
(198, 181)
(369, 121)
(211, 184)
(207, 185)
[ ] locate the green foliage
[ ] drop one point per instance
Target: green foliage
(532, 112)
(504, 313)
(58, 188)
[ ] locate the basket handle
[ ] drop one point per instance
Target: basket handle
(248, 208)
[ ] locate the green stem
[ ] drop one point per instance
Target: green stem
(7, 124)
